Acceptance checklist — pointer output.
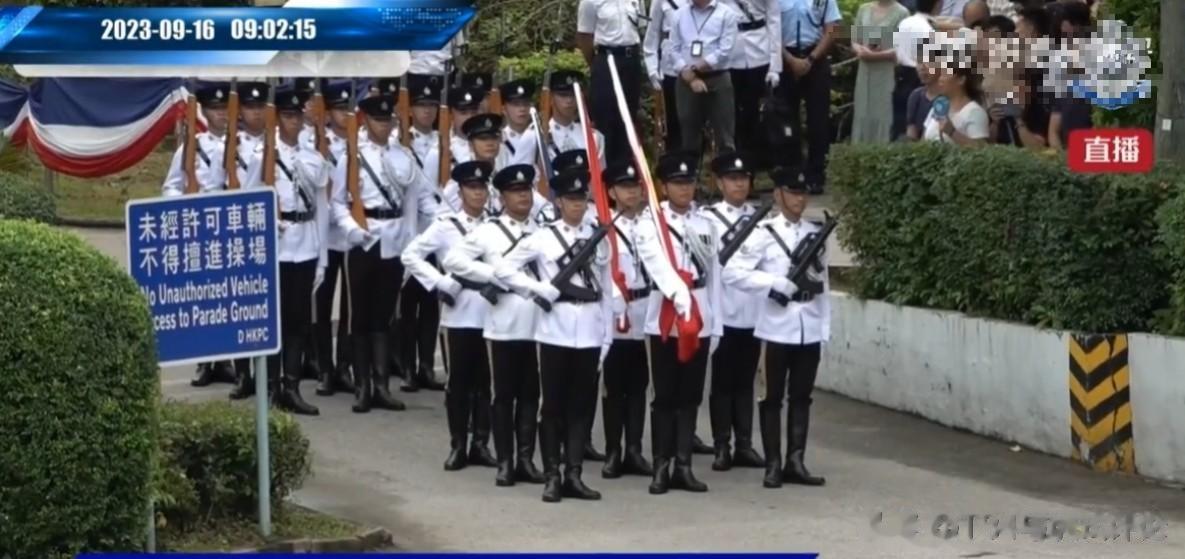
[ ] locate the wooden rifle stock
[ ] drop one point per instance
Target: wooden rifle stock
(403, 106)
(444, 125)
(357, 210)
(269, 139)
(231, 145)
(189, 157)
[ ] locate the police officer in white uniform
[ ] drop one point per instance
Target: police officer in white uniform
(211, 176)
(252, 104)
(660, 66)
(754, 64)
(519, 139)
(627, 374)
(485, 143)
(792, 334)
(605, 27)
(465, 103)
(735, 362)
(566, 132)
(395, 196)
(679, 386)
(425, 140)
(301, 178)
(464, 310)
(509, 327)
(574, 331)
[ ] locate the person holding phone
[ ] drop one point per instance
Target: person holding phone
(956, 116)
(704, 35)
(872, 41)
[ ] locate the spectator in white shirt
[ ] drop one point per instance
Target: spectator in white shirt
(966, 123)
(908, 39)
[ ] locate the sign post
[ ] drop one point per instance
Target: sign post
(208, 266)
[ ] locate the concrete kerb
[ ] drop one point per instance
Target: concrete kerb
(368, 540)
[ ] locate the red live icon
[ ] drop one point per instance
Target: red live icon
(1111, 150)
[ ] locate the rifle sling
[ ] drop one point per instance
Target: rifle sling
(378, 183)
(513, 243)
(304, 196)
(699, 266)
(568, 291)
(645, 277)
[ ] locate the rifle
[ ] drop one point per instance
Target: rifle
(741, 230)
(189, 157)
(444, 125)
(353, 189)
(231, 145)
(804, 257)
(577, 261)
(403, 107)
(495, 100)
(320, 114)
(544, 160)
(269, 137)
(660, 122)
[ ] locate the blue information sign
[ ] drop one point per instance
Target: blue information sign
(207, 264)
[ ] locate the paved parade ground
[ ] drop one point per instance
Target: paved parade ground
(385, 469)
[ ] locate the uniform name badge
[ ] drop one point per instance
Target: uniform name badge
(697, 48)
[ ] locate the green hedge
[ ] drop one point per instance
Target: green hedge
(209, 466)
(1172, 236)
(22, 198)
(78, 413)
(1002, 233)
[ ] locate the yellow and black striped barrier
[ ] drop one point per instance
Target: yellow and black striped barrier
(1100, 402)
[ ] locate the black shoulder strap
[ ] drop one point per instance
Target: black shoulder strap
(377, 183)
(202, 154)
(416, 156)
(460, 227)
(699, 266)
(673, 5)
(745, 8)
(781, 243)
(509, 236)
(719, 215)
(510, 146)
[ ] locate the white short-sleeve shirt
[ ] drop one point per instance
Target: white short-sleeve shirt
(971, 120)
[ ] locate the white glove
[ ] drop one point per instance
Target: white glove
(359, 237)
(547, 291)
(604, 354)
(785, 286)
(448, 285)
(318, 278)
(713, 345)
(773, 79)
(656, 82)
(682, 301)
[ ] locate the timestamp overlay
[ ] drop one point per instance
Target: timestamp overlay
(303, 37)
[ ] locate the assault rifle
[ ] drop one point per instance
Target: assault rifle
(804, 257)
(738, 232)
(578, 257)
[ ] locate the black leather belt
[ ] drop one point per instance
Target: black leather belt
(636, 294)
(802, 297)
(564, 298)
(631, 50)
(469, 284)
(697, 284)
(801, 52)
(384, 214)
(296, 217)
(751, 25)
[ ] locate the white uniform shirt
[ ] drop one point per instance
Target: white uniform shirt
(476, 258)
(566, 137)
(656, 48)
(299, 241)
(715, 28)
(404, 184)
(520, 148)
(247, 146)
(757, 47)
(636, 277)
(738, 308)
(446, 232)
(690, 233)
(426, 147)
(459, 149)
(574, 325)
(337, 147)
(612, 23)
(755, 267)
(211, 174)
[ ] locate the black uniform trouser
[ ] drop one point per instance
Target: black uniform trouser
(792, 369)
(603, 101)
(515, 370)
(373, 289)
(678, 391)
(568, 377)
(674, 136)
(469, 372)
(626, 378)
(748, 86)
(813, 89)
(731, 403)
(907, 80)
(323, 325)
(419, 320)
(296, 317)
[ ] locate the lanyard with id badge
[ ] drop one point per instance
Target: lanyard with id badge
(697, 46)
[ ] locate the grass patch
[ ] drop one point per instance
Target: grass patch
(228, 535)
(99, 198)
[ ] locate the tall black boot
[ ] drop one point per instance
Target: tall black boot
(662, 427)
(407, 349)
(244, 384)
(344, 367)
(274, 365)
(327, 381)
(380, 350)
(798, 420)
(479, 447)
(549, 445)
(614, 412)
(311, 364)
(575, 488)
(771, 440)
(363, 372)
(289, 397)
(634, 461)
(720, 413)
(745, 455)
(526, 423)
(427, 331)
(682, 477)
(224, 371)
(504, 443)
(203, 375)
(457, 409)
(590, 452)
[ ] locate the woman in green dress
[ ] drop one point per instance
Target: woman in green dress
(872, 42)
